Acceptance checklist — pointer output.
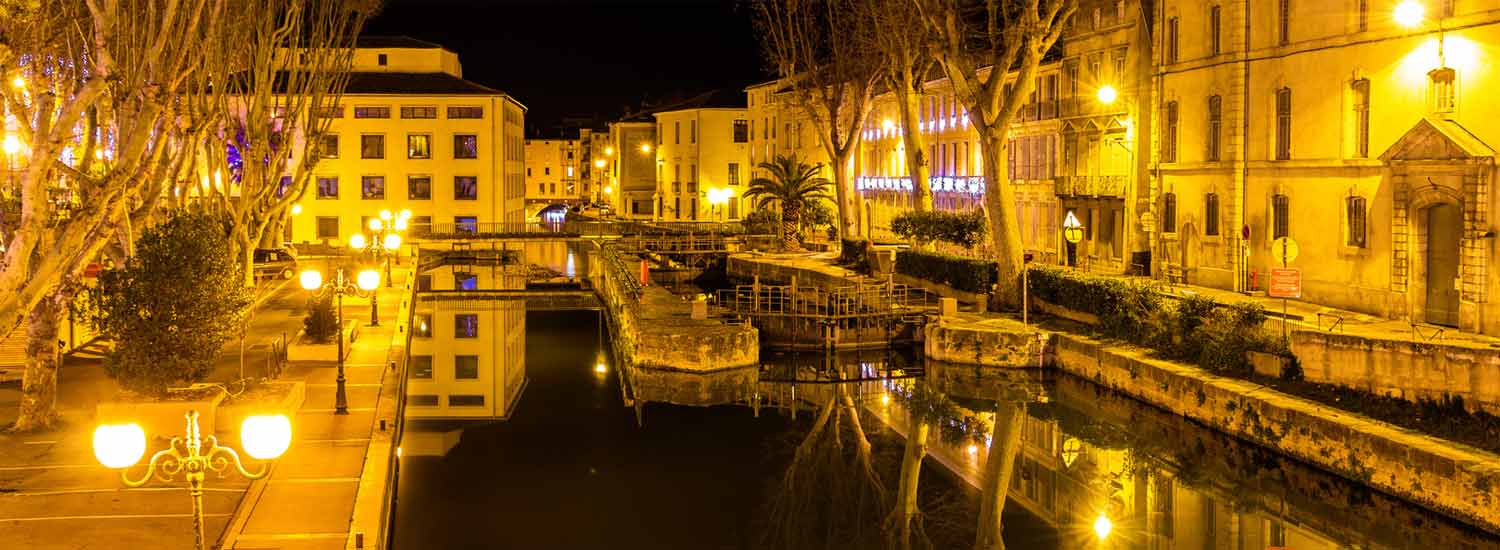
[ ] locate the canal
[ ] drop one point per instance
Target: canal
(519, 435)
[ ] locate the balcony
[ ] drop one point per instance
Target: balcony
(1089, 186)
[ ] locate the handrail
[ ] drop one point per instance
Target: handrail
(1338, 321)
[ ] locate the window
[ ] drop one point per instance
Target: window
(465, 146)
(328, 187)
(465, 188)
(1284, 22)
(541, 188)
(466, 401)
(1211, 214)
(1364, 15)
(1070, 75)
(677, 132)
(1119, 59)
(419, 112)
(1279, 216)
(424, 284)
(422, 400)
(1361, 92)
(546, 170)
(465, 112)
(1215, 45)
(466, 325)
(1284, 124)
(1169, 143)
(1355, 207)
(466, 367)
(734, 173)
(418, 146)
(330, 146)
(419, 187)
(1442, 80)
(372, 112)
(463, 280)
(1169, 213)
(570, 171)
(328, 227)
(741, 131)
(380, 59)
(1215, 126)
(332, 111)
(1171, 40)
(466, 224)
(422, 324)
(692, 131)
(420, 367)
(372, 146)
(372, 187)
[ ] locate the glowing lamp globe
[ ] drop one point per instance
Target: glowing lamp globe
(358, 241)
(385, 215)
(119, 445)
(375, 224)
(600, 368)
(11, 144)
(645, 147)
(18, 82)
(368, 279)
(1102, 526)
(405, 214)
(599, 163)
(399, 224)
(266, 436)
(296, 209)
(392, 241)
(1108, 94)
(1408, 14)
(311, 279)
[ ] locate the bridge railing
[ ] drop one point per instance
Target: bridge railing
(871, 300)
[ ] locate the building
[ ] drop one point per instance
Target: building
(631, 153)
(462, 163)
(553, 175)
(468, 357)
(702, 158)
(769, 106)
(1360, 131)
(598, 156)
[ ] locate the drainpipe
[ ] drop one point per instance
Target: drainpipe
(1242, 257)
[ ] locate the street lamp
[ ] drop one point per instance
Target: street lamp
(120, 446)
(366, 282)
(1409, 13)
(1102, 527)
(1108, 94)
(384, 240)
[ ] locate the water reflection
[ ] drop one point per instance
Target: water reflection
(468, 358)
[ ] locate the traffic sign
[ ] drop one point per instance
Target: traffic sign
(1286, 282)
(1284, 249)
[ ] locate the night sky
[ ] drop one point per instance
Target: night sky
(588, 58)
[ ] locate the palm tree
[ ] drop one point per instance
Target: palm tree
(792, 186)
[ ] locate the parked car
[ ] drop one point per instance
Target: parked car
(275, 262)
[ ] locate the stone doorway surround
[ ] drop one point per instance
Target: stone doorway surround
(1437, 162)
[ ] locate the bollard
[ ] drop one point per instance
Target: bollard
(948, 307)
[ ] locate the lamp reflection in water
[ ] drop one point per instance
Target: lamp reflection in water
(120, 446)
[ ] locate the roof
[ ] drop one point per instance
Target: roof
(1437, 139)
(415, 84)
(720, 98)
(394, 42)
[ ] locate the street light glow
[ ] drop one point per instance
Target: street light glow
(385, 215)
(600, 368)
(357, 241)
(375, 224)
(599, 163)
(1409, 13)
(311, 279)
(1108, 94)
(392, 241)
(1102, 526)
(296, 209)
(405, 214)
(266, 436)
(646, 148)
(119, 445)
(18, 82)
(400, 224)
(368, 279)
(609, 151)
(11, 144)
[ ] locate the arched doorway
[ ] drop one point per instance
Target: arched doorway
(1444, 229)
(553, 214)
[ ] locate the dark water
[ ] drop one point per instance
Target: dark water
(567, 465)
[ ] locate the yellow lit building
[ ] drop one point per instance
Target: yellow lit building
(778, 127)
(411, 133)
(553, 174)
(1359, 130)
(702, 163)
(631, 153)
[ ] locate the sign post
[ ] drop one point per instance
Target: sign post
(1286, 282)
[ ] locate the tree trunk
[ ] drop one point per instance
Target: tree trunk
(39, 385)
(1005, 233)
(1005, 444)
(247, 262)
(916, 147)
(848, 206)
(791, 223)
(899, 523)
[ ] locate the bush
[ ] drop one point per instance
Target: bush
(172, 307)
(321, 323)
(762, 222)
(852, 254)
(965, 274)
(961, 228)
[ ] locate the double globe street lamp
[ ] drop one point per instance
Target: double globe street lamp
(121, 446)
(384, 239)
(363, 285)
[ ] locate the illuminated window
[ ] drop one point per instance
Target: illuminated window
(423, 321)
(1211, 214)
(372, 187)
(418, 146)
(466, 224)
(1169, 146)
(465, 146)
(741, 131)
(466, 325)
(1280, 216)
(1361, 92)
(372, 112)
(1442, 79)
(1355, 212)
(328, 187)
(465, 188)
(330, 146)
(1169, 213)
(1284, 124)
(1215, 126)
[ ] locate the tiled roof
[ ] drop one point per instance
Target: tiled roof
(394, 42)
(415, 84)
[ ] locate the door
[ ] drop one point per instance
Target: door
(1443, 224)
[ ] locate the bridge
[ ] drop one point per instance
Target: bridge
(855, 316)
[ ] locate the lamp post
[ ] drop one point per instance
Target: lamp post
(384, 240)
(1072, 233)
(366, 283)
(120, 446)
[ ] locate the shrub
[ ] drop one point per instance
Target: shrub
(961, 228)
(852, 254)
(965, 274)
(321, 323)
(762, 222)
(172, 307)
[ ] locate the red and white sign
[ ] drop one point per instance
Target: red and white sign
(1286, 282)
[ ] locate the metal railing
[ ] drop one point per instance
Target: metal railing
(617, 270)
(571, 229)
(863, 301)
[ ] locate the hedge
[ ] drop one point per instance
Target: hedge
(852, 254)
(965, 274)
(1194, 329)
(961, 228)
